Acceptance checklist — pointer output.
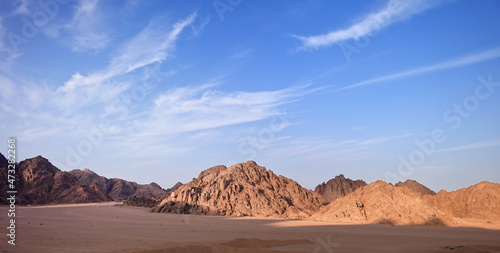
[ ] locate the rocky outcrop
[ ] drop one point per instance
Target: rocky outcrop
(244, 189)
(338, 187)
(416, 187)
(380, 202)
(40, 182)
(118, 189)
(479, 201)
(150, 202)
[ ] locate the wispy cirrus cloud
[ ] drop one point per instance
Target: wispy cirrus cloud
(152, 45)
(187, 109)
(450, 64)
(86, 28)
(478, 145)
(394, 11)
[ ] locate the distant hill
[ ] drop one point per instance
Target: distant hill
(39, 182)
(245, 189)
(479, 201)
(416, 186)
(413, 203)
(338, 187)
(118, 189)
(380, 202)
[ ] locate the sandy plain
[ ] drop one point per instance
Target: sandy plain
(110, 228)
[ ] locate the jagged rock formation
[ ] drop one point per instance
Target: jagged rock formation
(479, 201)
(150, 202)
(338, 187)
(380, 202)
(244, 189)
(416, 186)
(118, 189)
(40, 182)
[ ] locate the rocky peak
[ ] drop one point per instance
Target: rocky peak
(245, 189)
(38, 164)
(338, 187)
(416, 186)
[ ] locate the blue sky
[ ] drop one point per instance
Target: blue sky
(160, 90)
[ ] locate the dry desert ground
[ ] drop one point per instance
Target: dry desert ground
(111, 228)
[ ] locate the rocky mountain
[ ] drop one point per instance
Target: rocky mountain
(479, 201)
(338, 187)
(118, 189)
(416, 186)
(380, 202)
(245, 189)
(40, 182)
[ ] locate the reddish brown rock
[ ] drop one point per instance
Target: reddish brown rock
(40, 182)
(380, 202)
(244, 189)
(118, 189)
(338, 187)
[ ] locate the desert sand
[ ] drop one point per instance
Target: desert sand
(109, 228)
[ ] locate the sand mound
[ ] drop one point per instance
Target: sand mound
(380, 202)
(244, 189)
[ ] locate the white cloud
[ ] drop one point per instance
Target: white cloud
(455, 63)
(393, 12)
(87, 28)
(189, 109)
(383, 139)
(485, 144)
(152, 45)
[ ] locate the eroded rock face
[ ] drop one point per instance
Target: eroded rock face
(380, 202)
(479, 201)
(40, 182)
(416, 187)
(338, 187)
(118, 189)
(244, 189)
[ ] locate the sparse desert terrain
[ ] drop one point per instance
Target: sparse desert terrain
(108, 228)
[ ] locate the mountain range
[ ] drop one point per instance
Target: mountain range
(247, 189)
(38, 182)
